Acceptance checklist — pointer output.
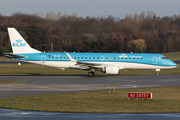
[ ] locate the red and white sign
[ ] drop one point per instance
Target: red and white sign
(139, 95)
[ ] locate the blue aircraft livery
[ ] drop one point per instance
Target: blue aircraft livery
(109, 63)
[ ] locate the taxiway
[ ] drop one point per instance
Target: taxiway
(56, 84)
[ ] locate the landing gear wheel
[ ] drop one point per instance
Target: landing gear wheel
(156, 74)
(90, 74)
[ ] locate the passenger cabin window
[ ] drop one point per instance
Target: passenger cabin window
(106, 57)
(110, 57)
(126, 58)
(133, 58)
(85, 57)
(52, 57)
(64, 57)
(97, 57)
(81, 57)
(78, 57)
(141, 58)
(122, 58)
(129, 58)
(93, 57)
(89, 57)
(118, 57)
(137, 58)
(60, 57)
(74, 57)
(56, 57)
(114, 57)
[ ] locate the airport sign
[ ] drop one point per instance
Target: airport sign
(140, 95)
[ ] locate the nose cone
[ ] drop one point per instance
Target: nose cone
(173, 64)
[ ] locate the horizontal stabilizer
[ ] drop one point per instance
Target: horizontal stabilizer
(11, 55)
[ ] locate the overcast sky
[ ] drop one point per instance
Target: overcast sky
(95, 8)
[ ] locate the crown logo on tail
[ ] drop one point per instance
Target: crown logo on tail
(18, 40)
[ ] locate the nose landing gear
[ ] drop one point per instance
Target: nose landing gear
(157, 72)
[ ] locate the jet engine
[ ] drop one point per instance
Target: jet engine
(111, 69)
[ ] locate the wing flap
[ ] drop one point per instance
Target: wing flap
(90, 64)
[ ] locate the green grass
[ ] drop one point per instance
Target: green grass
(172, 55)
(6, 59)
(11, 82)
(164, 100)
(31, 69)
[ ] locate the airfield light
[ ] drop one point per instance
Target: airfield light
(113, 89)
(109, 89)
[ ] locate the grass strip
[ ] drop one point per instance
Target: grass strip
(12, 82)
(172, 55)
(165, 100)
(6, 59)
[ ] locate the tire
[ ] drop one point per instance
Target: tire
(91, 74)
(157, 74)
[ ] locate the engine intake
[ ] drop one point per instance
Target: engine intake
(111, 69)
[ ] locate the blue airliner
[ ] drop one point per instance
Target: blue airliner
(109, 63)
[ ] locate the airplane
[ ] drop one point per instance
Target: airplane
(109, 63)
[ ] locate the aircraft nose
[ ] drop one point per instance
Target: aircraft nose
(173, 64)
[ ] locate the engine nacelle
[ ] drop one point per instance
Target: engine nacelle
(111, 69)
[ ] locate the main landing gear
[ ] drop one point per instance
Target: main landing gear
(91, 74)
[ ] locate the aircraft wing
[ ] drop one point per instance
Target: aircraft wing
(86, 65)
(90, 64)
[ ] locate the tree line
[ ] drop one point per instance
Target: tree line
(59, 32)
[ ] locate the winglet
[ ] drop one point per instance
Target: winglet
(72, 60)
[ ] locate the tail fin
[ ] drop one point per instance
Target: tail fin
(18, 44)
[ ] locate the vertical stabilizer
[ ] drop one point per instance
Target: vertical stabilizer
(18, 44)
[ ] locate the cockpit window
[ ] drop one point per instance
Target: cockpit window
(164, 58)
